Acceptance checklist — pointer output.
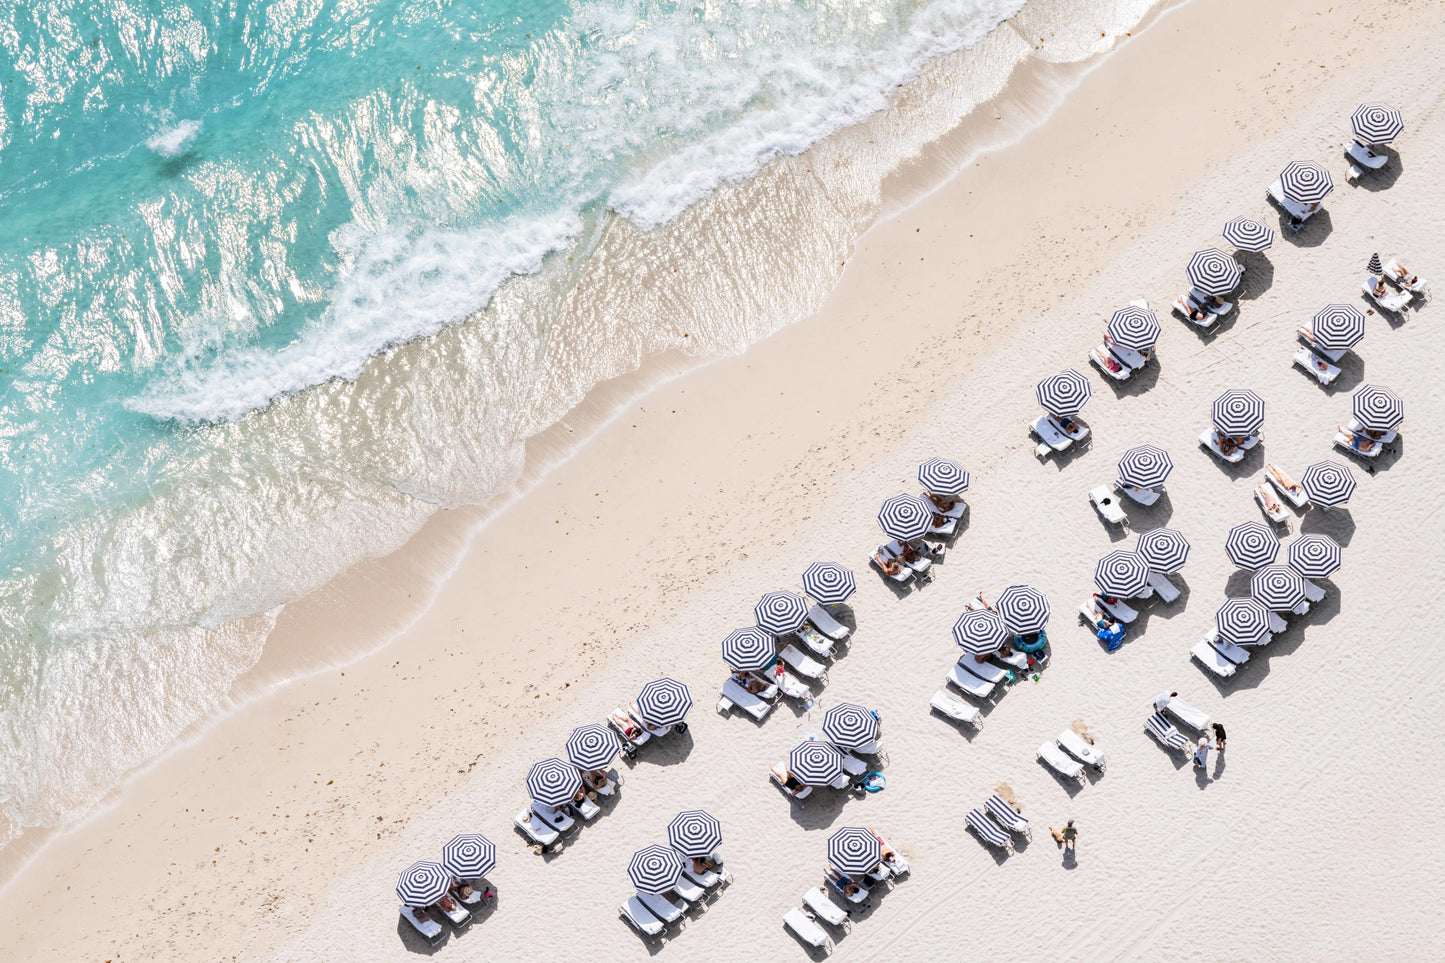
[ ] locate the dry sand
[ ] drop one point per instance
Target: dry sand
(276, 833)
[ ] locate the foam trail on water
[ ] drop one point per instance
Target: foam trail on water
(175, 139)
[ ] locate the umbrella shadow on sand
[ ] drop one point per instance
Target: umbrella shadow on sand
(413, 941)
(1258, 274)
(1384, 178)
(1312, 233)
(1337, 523)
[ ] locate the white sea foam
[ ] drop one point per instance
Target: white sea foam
(174, 138)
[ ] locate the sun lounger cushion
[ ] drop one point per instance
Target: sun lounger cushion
(639, 918)
(587, 809)
(1210, 658)
(823, 908)
(689, 891)
(667, 910)
(1050, 433)
(954, 709)
(1080, 748)
(1120, 611)
(970, 684)
(808, 931)
(1052, 755)
(1388, 302)
(1229, 650)
(1187, 714)
(1323, 371)
(431, 930)
(801, 664)
(984, 670)
(1165, 589)
(1313, 592)
(1365, 157)
(1160, 728)
(988, 830)
(1128, 356)
(826, 624)
(1344, 441)
(1007, 817)
(535, 828)
(1144, 496)
(1210, 440)
(1107, 505)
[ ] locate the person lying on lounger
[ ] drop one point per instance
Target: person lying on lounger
(1405, 277)
(1380, 290)
(885, 855)
(1141, 351)
(750, 682)
(1227, 444)
(1271, 504)
(890, 566)
(703, 864)
(793, 785)
(909, 553)
(420, 915)
(460, 889)
(942, 504)
(1358, 443)
(1068, 424)
(447, 904)
(596, 778)
(847, 885)
(1371, 433)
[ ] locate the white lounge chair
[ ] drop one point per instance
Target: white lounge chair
(852, 765)
(640, 919)
(1363, 158)
(1050, 434)
(1293, 491)
(920, 565)
(944, 528)
(689, 891)
(587, 809)
(903, 574)
(954, 709)
(986, 671)
(1396, 273)
(1390, 301)
(836, 880)
(553, 817)
(1324, 372)
(1105, 361)
(1081, 749)
(1308, 336)
(988, 831)
(1357, 427)
(1008, 817)
(808, 931)
(1187, 714)
(535, 829)
(1144, 496)
(970, 684)
(1118, 610)
(1347, 441)
(779, 775)
(457, 915)
(1060, 763)
(1161, 728)
(825, 623)
(801, 664)
(1016, 660)
(1080, 432)
(1229, 650)
(667, 910)
(1270, 504)
(1313, 593)
(707, 879)
(1187, 307)
(1211, 659)
(1299, 213)
(656, 732)
(793, 687)
(1165, 589)
(625, 726)
(1130, 357)
(898, 866)
(1107, 505)
(1210, 440)
(430, 930)
(1277, 624)
(825, 909)
(815, 641)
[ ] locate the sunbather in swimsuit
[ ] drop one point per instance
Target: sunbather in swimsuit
(1358, 443)
(1380, 289)
(942, 504)
(1226, 444)
(596, 778)
(888, 565)
(750, 682)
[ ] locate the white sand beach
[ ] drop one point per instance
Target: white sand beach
(277, 830)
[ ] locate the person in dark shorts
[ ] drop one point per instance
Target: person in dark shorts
(1218, 737)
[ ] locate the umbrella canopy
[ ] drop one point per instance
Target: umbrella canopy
(592, 747)
(1122, 573)
(1278, 588)
(1315, 555)
(423, 883)
(1242, 621)
(1375, 267)
(1134, 327)
(1213, 272)
(829, 582)
(750, 650)
(1024, 609)
(780, 612)
(854, 849)
(1305, 183)
(815, 763)
(1063, 394)
(469, 856)
(1251, 545)
(1145, 466)
(1238, 412)
(1376, 123)
(654, 869)
(1163, 549)
(664, 702)
(1378, 409)
(1247, 234)
(1328, 483)
(943, 477)
(553, 782)
(1338, 326)
(850, 726)
(905, 517)
(694, 833)
(980, 631)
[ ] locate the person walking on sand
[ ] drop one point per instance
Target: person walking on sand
(1161, 701)
(1201, 755)
(1066, 837)
(1218, 737)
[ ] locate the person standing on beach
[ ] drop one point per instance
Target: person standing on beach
(1219, 737)
(1201, 755)
(1161, 701)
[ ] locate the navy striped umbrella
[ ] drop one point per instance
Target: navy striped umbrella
(1315, 555)
(905, 517)
(1023, 608)
(1247, 234)
(750, 649)
(1376, 123)
(1328, 483)
(553, 782)
(1145, 466)
(1305, 183)
(1213, 272)
(815, 763)
(1238, 411)
(694, 833)
(423, 883)
(850, 726)
(780, 612)
(469, 856)
(1375, 267)
(1122, 573)
(829, 582)
(854, 850)
(1163, 549)
(592, 747)
(1338, 326)
(1251, 545)
(943, 477)
(1063, 394)
(1278, 588)
(980, 631)
(1134, 327)
(654, 869)
(1378, 409)
(664, 702)
(1242, 621)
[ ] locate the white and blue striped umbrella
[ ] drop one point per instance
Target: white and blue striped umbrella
(1063, 394)
(905, 517)
(1251, 545)
(1305, 183)
(1122, 573)
(1134, 327)
(1242, 621)
(750, 650)
(694, 833)
(943, 477)
(1376, 123)
(1328, 483)
(854, 850)
(1315, 555)
(654, 869)
(553, 782)
(1377, 408)
(423, 883)
(780, 612)
(1278, 588)
(980, 631)
(1213, 272)
(1023, 608)
(1338, 326)
(1145, 466)
(850, 726)
(1238, 411)
(592, 747)
(664, 702)
(815, 763)
(469, 856)
(829, 582)
(1163, 549)
(1247, 234)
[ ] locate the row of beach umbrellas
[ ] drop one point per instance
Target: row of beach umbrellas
(906, 517)
(1253, 545)
(1125, 573)
(1276, 588)
(692, 834)
(467, 856)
